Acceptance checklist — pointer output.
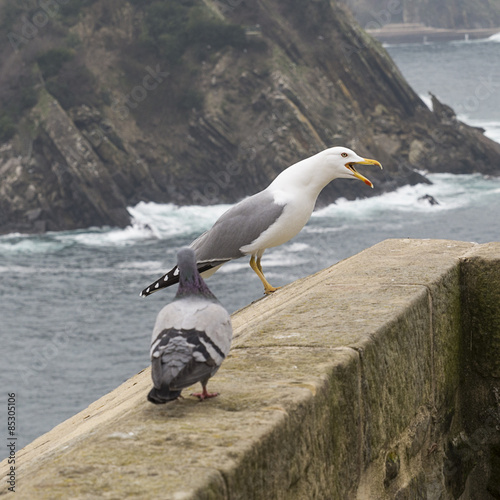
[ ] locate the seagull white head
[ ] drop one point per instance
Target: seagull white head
(340, 161)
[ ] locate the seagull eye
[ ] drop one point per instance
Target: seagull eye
(344, 155)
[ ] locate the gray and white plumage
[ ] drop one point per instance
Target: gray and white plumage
(269, 218)
(191, 337)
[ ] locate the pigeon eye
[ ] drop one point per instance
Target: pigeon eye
(344, 155)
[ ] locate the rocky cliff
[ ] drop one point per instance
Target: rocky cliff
(106, 103)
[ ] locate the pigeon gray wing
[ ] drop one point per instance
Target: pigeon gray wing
(196, 314)
(170, 355)
(183, 356)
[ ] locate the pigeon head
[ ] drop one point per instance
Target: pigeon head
(190, 281)
(186, 261)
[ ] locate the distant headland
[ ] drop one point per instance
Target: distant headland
(419, 33)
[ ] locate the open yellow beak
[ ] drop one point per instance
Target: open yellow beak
(366, 161)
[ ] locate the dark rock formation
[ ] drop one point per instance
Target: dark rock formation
(428, 198)
(120, 116)
(61, 182)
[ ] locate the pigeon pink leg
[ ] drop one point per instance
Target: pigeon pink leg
(205, 394)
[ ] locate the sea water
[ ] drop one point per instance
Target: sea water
(464, 75)
(73, 326)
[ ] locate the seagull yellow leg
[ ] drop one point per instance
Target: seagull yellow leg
(258, 271)
(259, 265)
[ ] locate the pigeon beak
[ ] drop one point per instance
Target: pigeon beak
(365, 161)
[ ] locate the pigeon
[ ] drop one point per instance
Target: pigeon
(191, 337)
(269, 218)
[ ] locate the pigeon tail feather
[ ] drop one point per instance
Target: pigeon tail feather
(162, 395)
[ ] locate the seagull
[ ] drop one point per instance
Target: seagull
(269, 218)
(191, 337)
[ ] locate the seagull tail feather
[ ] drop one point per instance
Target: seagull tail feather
(171, 278)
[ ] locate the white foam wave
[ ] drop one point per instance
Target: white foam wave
(491, 127)
(427, 100)
(449, 190)
(493, 134)
(109, 237)
(19, 269)
(149, 221)
(297, 247)
(494, 38)
(153, 220)
(28, 244)
(157, 221)
(167, 220)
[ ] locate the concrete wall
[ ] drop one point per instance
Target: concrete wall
(377, 378)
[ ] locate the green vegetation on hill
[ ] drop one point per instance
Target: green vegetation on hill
(174, 26)
(7, 128)
(51, 61)
(69, 10)
(179, 32)
(38, 35)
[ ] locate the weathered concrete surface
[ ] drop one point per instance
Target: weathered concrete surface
(346, 384)
(475, 454)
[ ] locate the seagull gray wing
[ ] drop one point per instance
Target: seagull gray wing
(239, 226)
